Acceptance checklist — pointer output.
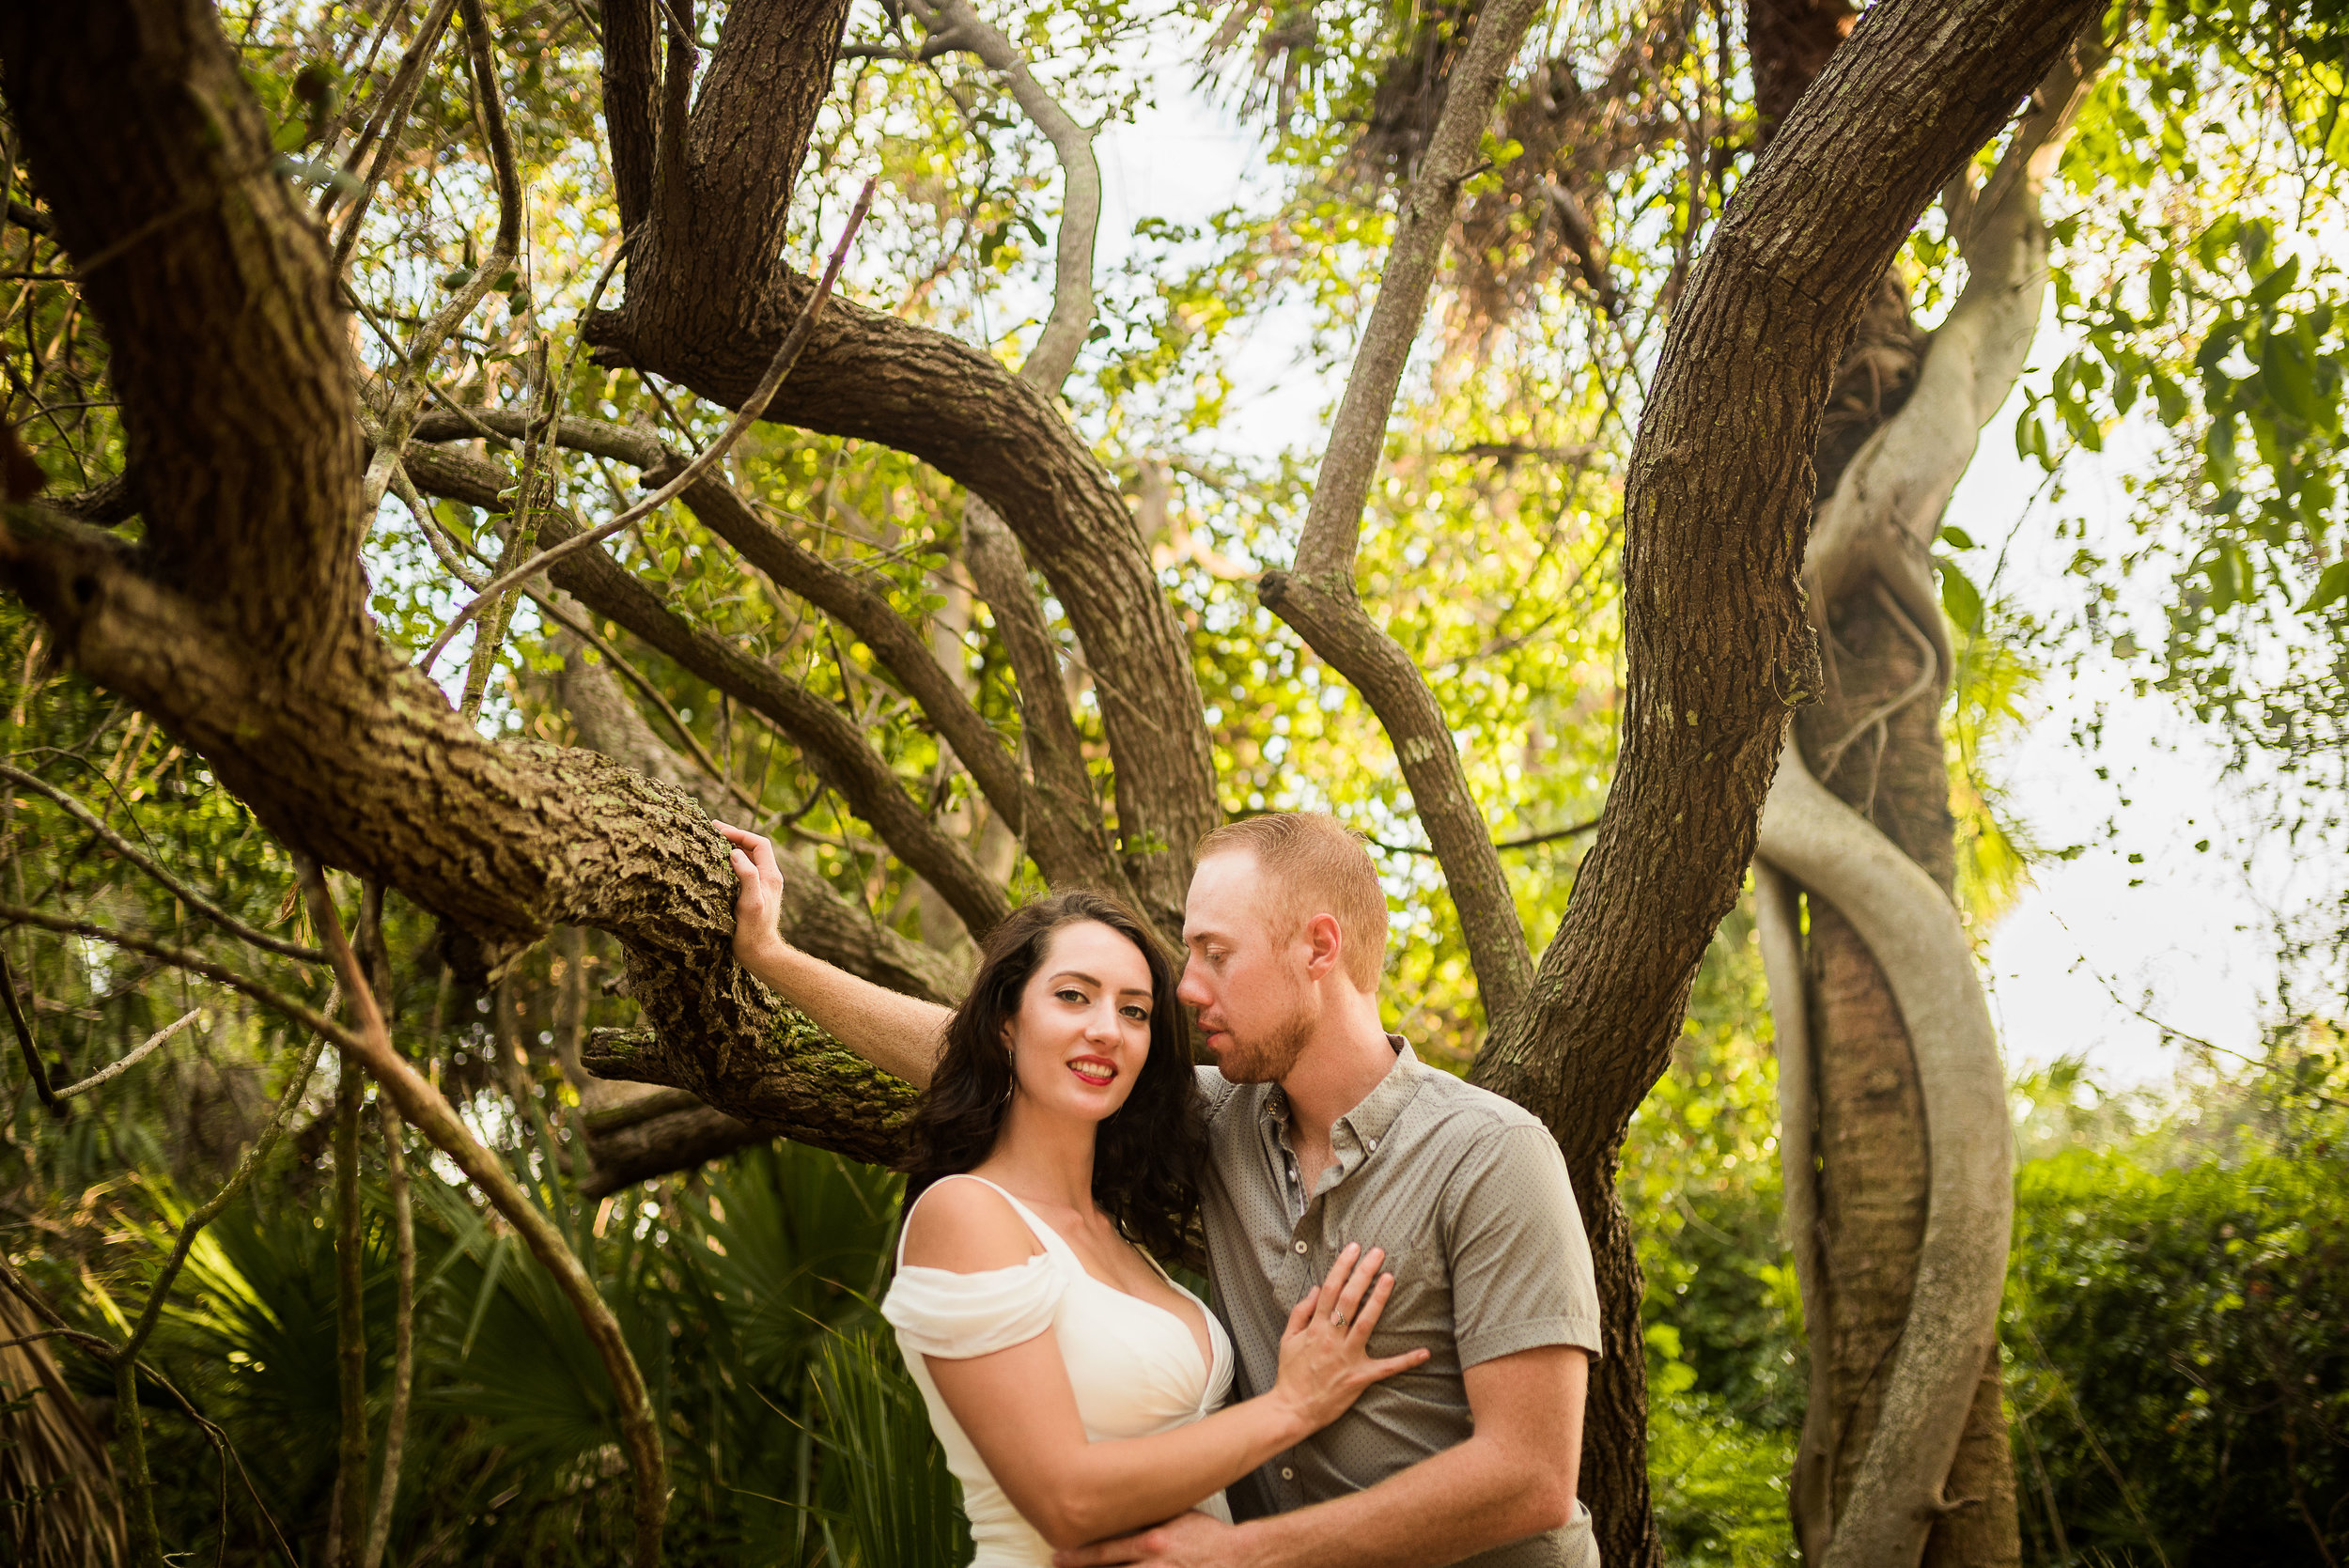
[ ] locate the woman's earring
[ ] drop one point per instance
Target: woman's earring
(1011, 1059)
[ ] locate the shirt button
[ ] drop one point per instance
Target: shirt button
(1300, 1249)
(1287, 1474)
(1373, 1145)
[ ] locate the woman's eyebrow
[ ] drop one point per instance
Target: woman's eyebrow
(1084, 979)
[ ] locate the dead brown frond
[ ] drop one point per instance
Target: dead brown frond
(1547, 213)
(58, 1507)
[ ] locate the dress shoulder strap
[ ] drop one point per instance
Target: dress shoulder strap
(1045, 1235)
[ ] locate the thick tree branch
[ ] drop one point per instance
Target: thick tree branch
(153, 160)
(1717, 510)
(705, 305)
(1873, 538)
(1318, 596)
(631, 70)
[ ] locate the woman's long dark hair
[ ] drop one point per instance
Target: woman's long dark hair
(1145, 1158)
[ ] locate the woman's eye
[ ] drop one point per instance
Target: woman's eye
(1069, 993)
(1140, 1015)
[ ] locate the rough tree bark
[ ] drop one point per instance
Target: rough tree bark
(1894, 1138)
(1716, 511)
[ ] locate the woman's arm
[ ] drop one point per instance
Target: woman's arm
(1020, 1412)
(899, 1034)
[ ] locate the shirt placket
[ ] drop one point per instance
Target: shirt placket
(1311, 1249)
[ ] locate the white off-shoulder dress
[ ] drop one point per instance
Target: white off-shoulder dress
(1134, 1364)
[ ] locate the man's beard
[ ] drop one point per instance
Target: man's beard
(1267, 1057)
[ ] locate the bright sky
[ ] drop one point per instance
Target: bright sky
(2097, 946)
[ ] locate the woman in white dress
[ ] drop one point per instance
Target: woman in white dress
(1074, 1385)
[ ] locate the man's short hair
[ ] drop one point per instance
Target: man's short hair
(1314, 864)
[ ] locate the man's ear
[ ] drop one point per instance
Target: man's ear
(1325, 943)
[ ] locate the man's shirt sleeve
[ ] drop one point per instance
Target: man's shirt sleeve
(1522, 1273)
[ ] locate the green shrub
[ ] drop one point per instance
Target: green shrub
(2178, 1359)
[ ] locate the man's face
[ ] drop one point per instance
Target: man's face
(1245, 975)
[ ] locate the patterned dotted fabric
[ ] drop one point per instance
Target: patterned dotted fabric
(1469, 1195)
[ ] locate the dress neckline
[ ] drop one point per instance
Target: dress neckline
(1038, 1223)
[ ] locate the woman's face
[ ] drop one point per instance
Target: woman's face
(1082, 1032)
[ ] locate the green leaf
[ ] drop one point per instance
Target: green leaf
(2330, 589)
(1961, 599)
(2218, 458)
(2168, 399)
(1956, 537)
(2276, 284)
(2289, 379)
(2164, 282)
(458, 279)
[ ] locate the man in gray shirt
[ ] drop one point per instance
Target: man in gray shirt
(1324, 1129)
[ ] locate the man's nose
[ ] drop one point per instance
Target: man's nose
(1192, 992)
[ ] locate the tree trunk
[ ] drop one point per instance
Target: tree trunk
(1871, 1133)
(1897, 1171)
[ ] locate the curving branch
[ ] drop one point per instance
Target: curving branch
(1915, 934)
(1881, 519)
(708, 297)
(1317, 598)
(1055, 751)
(956, 24)
(830, 740)
(1872, 538)
(1716, 510)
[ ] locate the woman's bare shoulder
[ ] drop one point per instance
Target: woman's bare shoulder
(967, 1227)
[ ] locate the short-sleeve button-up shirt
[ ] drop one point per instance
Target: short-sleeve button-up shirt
(1469, 1195)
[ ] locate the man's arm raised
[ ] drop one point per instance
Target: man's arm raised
(899, 1034)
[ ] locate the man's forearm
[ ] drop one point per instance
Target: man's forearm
(899, 1034)
(1464, 1500)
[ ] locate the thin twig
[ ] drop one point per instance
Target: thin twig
(399, 100)
(173, 885)
(410, 378)
(257, 1151)
(426, 1110)
(403, 1335)
(196, 963)
(33, 1063)
(113, 1070)
(752, 406)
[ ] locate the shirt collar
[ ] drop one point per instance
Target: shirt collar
(1368, 1120)
(1371, 1119)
